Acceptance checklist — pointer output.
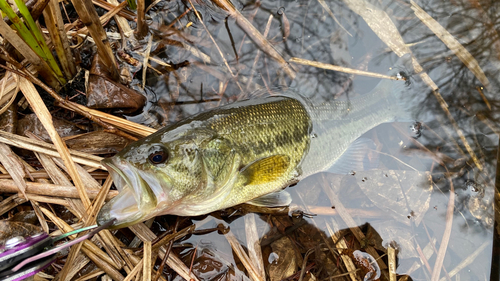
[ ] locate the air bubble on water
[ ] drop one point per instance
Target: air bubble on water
(273, 258)
(364, 179)
(471, 185)
(416, 130)
(352, 173)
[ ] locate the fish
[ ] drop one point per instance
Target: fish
(249, 151)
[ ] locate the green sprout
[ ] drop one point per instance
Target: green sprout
(131, 4)
(31, 35)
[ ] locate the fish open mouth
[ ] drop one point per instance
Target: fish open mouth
(134, 200)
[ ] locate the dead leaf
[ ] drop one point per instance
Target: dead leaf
(98, 142)
(32, 124)
(8, 119)
(103, 92)
(9, 229)
(386, 232)
(404, 195)
(284, 262)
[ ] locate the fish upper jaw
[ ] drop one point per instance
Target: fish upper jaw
(135, 200)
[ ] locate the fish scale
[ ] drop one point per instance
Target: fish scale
(283, 129)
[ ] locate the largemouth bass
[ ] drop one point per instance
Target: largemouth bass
(247, 151)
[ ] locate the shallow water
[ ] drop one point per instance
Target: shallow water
(450, 151)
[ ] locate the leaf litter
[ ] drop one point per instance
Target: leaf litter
(163, 87)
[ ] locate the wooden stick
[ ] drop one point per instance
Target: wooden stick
(446, 235)
(54, 190)
(49, 149)
(146, 270)
(90, 19)
(142, 28)
(341, 68)
(55, 25)
(41, 111)
(255, 35)
(244, 258)
(391, 253)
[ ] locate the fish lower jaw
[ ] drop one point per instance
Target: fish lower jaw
(124, 208)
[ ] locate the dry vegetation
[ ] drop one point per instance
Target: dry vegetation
(76, 181)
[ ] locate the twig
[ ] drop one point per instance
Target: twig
(164, 260)
(134, 271)
(142, 27)
(329, 11)
(328, 188)
(380, 22)
(242, 255)
(256, 36)
(43, 114)
(129, 15)
(100, 258)
(452, 43)
(146, 269)
(13, 167)
(39, 64)
(11, 202)
(145, 60)
(337, 239)
(216, 45)
(88, 15)
(341, 68)
(257, 55)
(253, 245)
(173, 261)
(391, 253)
(49, 149)
(54, 190)
(470, 259)
(446, 234)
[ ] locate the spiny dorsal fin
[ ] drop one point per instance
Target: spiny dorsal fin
(266, 169)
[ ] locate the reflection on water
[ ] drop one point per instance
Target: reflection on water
(431, 196)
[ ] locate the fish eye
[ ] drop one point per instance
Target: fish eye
(158, 154)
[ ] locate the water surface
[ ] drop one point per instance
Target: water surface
(449, 151)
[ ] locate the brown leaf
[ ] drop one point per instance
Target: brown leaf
(284, 261)
(103, 92)
(32, 124)
(98, 142)
(281, 222)
(9, 229)
(8, 119)
(404, 195)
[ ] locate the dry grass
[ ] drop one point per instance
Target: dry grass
(67, 178)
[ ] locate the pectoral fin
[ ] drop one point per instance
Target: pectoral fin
(275, 199)
(266, 169)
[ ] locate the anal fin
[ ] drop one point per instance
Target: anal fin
(360, 156)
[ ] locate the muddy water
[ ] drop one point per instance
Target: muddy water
(432, 194)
